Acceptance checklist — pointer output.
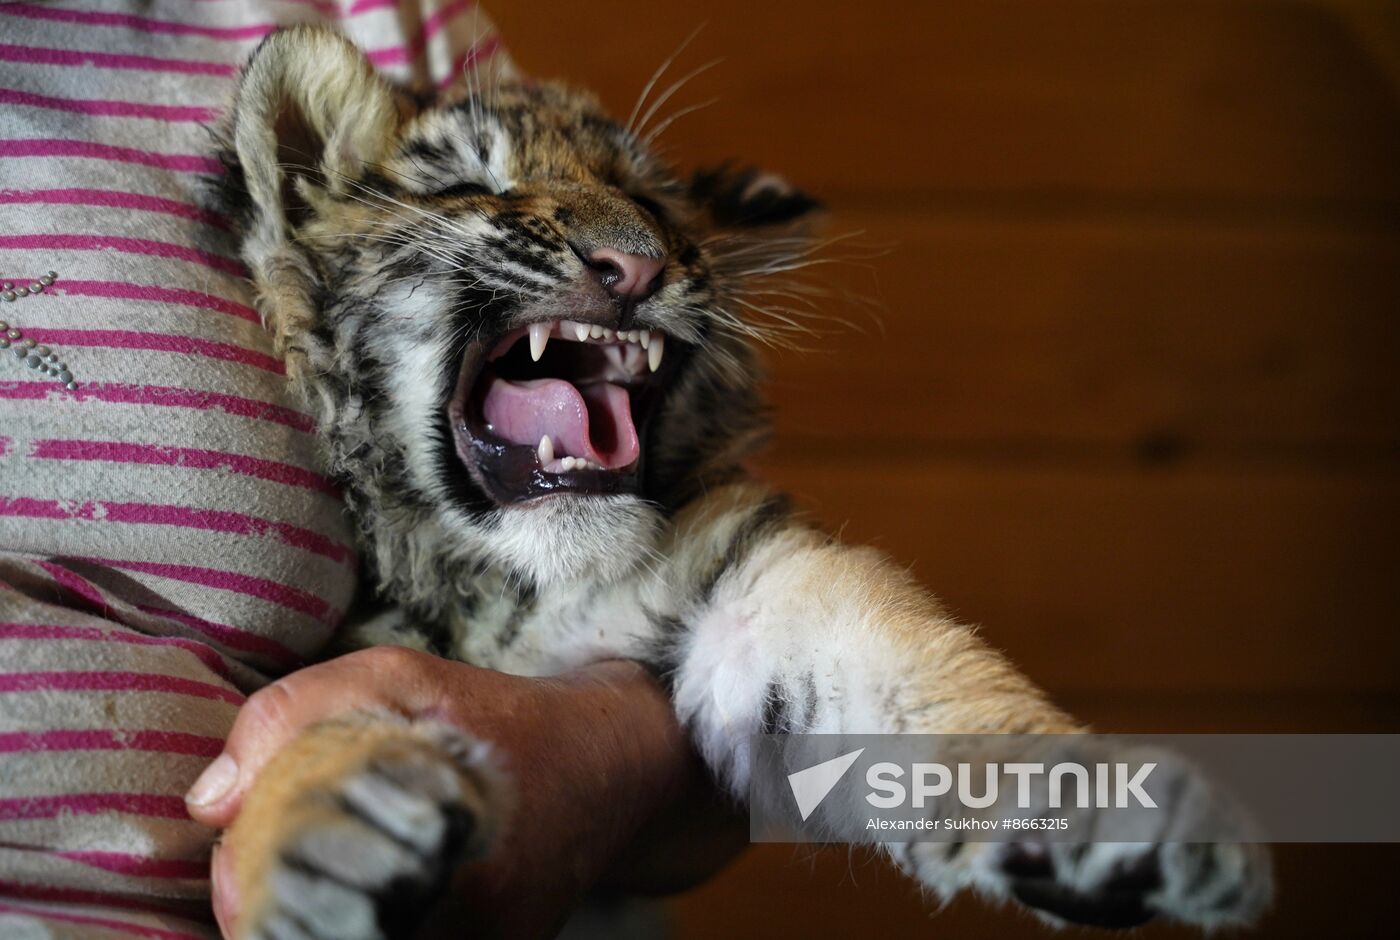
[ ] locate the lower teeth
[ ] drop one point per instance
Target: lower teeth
(545, 454)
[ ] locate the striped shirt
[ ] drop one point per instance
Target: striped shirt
(167, 539)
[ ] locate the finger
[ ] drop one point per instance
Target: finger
(278, 712)
(225, 890)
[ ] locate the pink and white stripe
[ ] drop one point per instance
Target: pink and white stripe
(220, 579)
(44, 631)
(189, 458)
(106, 739)
(159, 342)
(69, 917)
(111, 199)
(161, 396)
(30, 55)
(98, 107)
(50, 894)
(154, 294)
(124, 244)
(78, 593)
(157, 805)
(184, 517)
(41, 147)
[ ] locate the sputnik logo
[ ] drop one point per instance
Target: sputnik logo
(810, 786)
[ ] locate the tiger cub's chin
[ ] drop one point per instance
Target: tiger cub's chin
(568, 537)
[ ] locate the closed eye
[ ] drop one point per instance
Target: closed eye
(651, 206)
(461, 189)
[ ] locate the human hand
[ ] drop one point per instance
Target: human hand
(606, 786)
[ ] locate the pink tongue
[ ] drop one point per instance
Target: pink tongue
(593, 422)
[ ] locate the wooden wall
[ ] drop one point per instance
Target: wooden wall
(1130, 402)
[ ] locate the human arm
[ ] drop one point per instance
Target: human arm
(603, 779)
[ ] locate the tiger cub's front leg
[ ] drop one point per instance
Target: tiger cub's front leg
(355, 826)
(791, 632)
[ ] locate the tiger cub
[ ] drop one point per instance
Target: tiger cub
(526, 340)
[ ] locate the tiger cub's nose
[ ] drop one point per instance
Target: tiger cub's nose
(627, 276)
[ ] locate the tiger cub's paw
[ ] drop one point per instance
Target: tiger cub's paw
(374, 847)
(1196, 867)
(1193, 865)
(1124, 884)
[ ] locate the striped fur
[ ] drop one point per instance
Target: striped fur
(385, 234)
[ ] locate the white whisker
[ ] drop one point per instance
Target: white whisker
(656, 76)
(660, 129)
(665, 96)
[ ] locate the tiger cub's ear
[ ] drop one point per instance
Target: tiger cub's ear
(764, 225)
(310, 116)
(311, 119)
(749, 199)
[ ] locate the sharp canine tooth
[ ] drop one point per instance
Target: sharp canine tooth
(546, 451)
(644, 338)
(655, 350)
(581, 331)
(539, 338)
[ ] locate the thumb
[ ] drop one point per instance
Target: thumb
(270, 718)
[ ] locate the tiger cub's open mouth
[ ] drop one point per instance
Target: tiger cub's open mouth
(559, 406)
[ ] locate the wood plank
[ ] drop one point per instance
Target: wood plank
(1119, 337)
(1100, 580)
(1185, 711)
(779, 892)
(1079, 101)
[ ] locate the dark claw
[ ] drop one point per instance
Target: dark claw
(1142, 875)
(1027, 860)
(1119, 903)
(1092, 910)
